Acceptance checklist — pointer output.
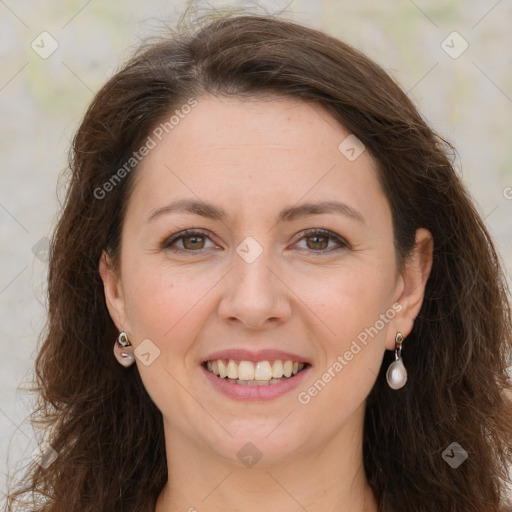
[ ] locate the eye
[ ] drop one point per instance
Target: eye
(322, 240)
(189, 240)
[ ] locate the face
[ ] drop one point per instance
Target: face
(254, 245)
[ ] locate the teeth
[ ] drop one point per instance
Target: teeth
(277, 369)
(246, 371)
(288, 368)
(256, 382)
(260, 373)
(223, 369)
(263, 371)
(232, 370)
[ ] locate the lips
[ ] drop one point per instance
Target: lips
(258, 372)
(251, 375)
(263, 366)
(260, 355)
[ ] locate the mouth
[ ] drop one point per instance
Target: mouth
(254, 373)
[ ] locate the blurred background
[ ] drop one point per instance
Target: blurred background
(454, 59)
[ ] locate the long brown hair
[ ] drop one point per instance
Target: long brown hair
(106, 430)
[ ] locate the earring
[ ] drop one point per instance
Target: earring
(397, 374)
(123, 350)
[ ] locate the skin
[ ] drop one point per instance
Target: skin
(254, 158)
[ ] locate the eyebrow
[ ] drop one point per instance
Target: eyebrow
(304, 209)
(211, 211)
(196, 207)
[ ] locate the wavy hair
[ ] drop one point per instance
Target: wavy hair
(111, 453)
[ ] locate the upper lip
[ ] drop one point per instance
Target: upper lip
(241, 354)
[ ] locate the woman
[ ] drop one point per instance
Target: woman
(269, 290)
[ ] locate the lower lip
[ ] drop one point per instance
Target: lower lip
(254, 392)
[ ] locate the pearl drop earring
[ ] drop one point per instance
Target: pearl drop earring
(397, 374)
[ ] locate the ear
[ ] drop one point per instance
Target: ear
(414, 280)
(113, 292)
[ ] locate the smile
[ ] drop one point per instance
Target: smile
(260, 373)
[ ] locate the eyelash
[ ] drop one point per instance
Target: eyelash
(167, 243)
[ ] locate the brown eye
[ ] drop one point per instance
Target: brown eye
(192, 242)
(188, 241)
(321, 241)
(317, 243)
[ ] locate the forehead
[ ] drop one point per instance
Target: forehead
(275, 122)
(262, 151)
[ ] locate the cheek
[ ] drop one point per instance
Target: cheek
(349, 300)
(169, 308)
(355, 307)
(153, 302)
(166, 304)
(358, 315)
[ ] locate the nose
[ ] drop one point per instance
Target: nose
(254, 295)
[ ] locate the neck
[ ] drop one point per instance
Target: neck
(328, 478)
